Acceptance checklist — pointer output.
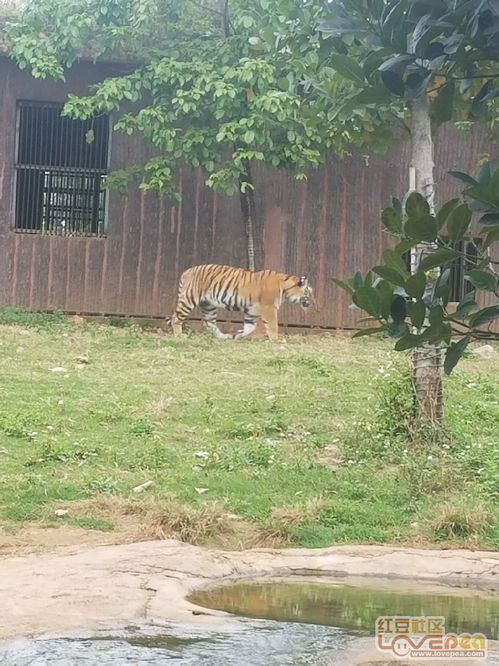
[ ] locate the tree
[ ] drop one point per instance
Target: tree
(399, 301)
(207, 93)
(412, 64)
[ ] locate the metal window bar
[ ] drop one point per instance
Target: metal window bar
(459, 287)
(61, 165)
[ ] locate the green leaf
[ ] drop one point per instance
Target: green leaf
(390, 275)
(339, 25)
(375, 95)
(343, 285)
(441, 257)
(417, 313)
(385, 294)
(393, 260)
(436, 316)
(422, 228)
(357, 280)
(408, 341)
(454, 353)
(466, 305)
(396, 63)
(492, 237)
(416, 206)
(443, 106)
(347, 67)
(416, 284)
(482, 279)
(441, 287)
(463, 177)
(368, 331)
(392, 220)
(490, 221)
(458, 222)
(404, 246)
(484, 316)
(445, 211)
(368, 299)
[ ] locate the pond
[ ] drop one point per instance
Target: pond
(355, 605)
(301, 622)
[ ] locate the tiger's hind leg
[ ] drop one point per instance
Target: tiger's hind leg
(209, 314)
(182, 311)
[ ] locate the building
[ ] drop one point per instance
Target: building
(67, 243)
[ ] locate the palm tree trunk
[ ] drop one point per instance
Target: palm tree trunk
(427, 359)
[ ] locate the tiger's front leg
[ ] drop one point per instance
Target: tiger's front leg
(249, 325)
(269, 316)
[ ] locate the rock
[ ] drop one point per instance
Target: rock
(485, 351)
(143, 486)
(61, 512)
(84, 587)
(59, 369)
(82, 359)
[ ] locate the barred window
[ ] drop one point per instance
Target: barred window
(61, 164)
(459, 287)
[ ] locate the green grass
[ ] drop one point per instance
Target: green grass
(233, 434)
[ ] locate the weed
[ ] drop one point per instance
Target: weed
(193, 524)
(75, 452)
(463, 518)
(142, 427)
(22, 423)
(106, 485)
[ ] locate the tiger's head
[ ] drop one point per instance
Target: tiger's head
(301, 292)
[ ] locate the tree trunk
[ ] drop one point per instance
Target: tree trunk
(254, 232)
(427, 359)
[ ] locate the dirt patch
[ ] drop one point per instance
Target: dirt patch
(331, 456)
(38, 539)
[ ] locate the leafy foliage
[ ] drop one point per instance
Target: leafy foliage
(370, 60)
(203, 91)
(401, 303)
(410, 48)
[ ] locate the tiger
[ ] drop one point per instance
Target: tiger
(256, 293)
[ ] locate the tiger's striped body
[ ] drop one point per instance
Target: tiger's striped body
(257, 294)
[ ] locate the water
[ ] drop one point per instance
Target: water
(354, 606)
(305, 622)
(254, 644)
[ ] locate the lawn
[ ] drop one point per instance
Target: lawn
(305, 442)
